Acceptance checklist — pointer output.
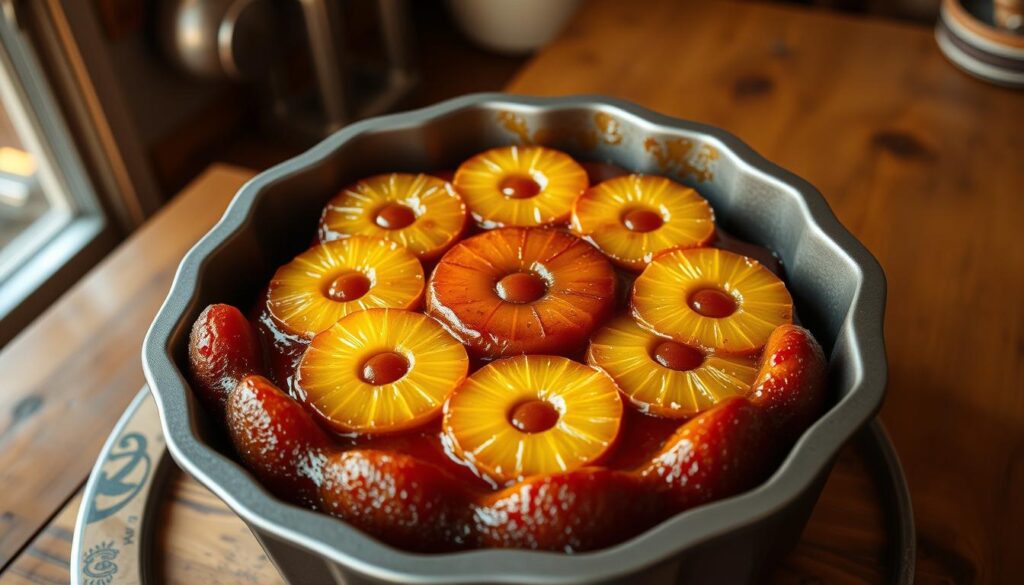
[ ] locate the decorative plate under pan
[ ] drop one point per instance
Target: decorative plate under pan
(114, 536)
(113, 533)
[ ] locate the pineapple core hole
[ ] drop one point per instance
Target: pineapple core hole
(348, 287)
(521, 287)
(519, 187)
(641, 219)
(677, 356)
(713, 302)
(533, 416)
(394, 216)
(384, 368)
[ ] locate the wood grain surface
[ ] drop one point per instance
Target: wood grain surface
(924, 164)
(921, 162)
(69, 377)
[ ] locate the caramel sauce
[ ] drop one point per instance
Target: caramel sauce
(642, 220)
(712, 302)
(598, 172)
(446, 175)
(394, 216)
(641, 435)
(516, 125)
(725, 241)
(677, 356)
(533, 416)
(384, 368)
(677, 154)
(608, 126)
(423, 443)
(519, 187)
(348, 287)
(521, 287)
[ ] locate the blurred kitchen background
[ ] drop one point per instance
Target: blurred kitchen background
(109, 107)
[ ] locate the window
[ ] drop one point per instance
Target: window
(49, 213)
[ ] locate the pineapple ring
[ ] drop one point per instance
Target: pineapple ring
(711, 298)
(421, 212)
(333, 376)
(480, 427)
(653, 374)
(525, 186)
(333, 279)
(522, 290)
(632, 218)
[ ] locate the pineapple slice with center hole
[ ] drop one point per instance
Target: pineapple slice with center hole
(530, 415)
(664, 377)
(380, 371)
(331, 280)
(420, 212)
(522, 290)
(525, 186)
(711, 298)
(634, 217)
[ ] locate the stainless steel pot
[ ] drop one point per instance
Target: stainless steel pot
(838, 286)
(218, 38)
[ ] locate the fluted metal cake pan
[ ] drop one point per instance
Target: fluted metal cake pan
(838, 287)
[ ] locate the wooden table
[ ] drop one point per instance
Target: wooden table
(924, 164)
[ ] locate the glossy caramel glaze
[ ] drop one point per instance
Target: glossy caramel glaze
(519, 187)
(580, 292)
(348, 287)
(395, 216)
(642, 220)
(677, 356)
(533, 416)
(521, 287)
(602, 171)
(654, 468)
(713, 303)
(223, 348)
(384, 368)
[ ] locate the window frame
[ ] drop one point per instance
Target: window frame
(77, 232)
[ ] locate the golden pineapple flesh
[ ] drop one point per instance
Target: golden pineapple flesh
(530, 415)
(664, 377)
(712, 299)
(633, 217)
(380, 371)
(524, 186)
(522, 290)
(420, 212)
(333, 279)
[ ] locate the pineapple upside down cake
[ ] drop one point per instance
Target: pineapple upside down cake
(523, 357)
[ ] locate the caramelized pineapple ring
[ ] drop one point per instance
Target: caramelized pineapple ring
(712, 299)
(522, 186)
(515, 290)
(634, 217)
(331, 280)
(380, 370)
(531, 415)
(664, 377)
(421, 212)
